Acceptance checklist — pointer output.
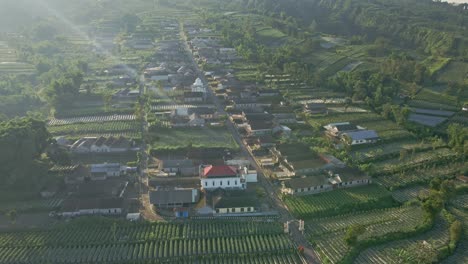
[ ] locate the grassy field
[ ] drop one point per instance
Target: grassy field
(339, 201)
(195, 137)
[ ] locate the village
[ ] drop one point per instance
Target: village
(211, 180)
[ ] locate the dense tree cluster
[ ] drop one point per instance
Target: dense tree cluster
(22, 163)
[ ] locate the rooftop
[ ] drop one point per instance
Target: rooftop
(362, 134)
(171, 196)
(305, 182)
(211, 171)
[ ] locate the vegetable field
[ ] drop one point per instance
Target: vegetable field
(88, 129)
(392, 252)
(90, 119)
(201, 242)
(328, 233)
(339, 201)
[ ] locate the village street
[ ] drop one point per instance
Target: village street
(284, 215)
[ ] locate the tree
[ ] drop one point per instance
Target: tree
(457, 135)
(352, 234)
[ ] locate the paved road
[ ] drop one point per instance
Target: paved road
(299, 239)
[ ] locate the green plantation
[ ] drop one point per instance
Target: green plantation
(121, 242)
(339, 201)
(205, 137)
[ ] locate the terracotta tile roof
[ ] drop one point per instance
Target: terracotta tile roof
(219, 171)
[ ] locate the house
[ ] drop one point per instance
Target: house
(335, 179)
(360, 137)
(259, 128)
(297, 158)
(248, 104)
(249, 174)
(91, 206)
(126, 94)
(268, 92)
(337, 129)
(101, 145)
(184, 167)
(238, 203)
(347, 177)
(306, 185)
(83, 145)
(249, 117)
(72, 174)
(191, 97)
(285, 118)
(266, 141)
(214, 177)
(198, 86)
(315, 108)
(203, 112)
(105, 170)
(173, 197)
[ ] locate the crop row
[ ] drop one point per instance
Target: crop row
(326, 225)
(36, 205)
(389, 253)
(163, 250)
(339, 201)
(409, 193)
(328, 233)
(96, 234)
(90, 119)
(420, 175)
(85, 128)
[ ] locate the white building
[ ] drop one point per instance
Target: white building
(222, 177)
(198, 86)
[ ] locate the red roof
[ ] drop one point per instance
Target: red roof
(219, 171)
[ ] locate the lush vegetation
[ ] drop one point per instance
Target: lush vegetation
(339, 201)
(122, 242)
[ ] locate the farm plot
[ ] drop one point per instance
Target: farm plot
(328, 233)
(461, 201)
(90, 119)
(387, 130)
(391, 252)
(392, 217)
(195, 137)
(421, 174)
(96, 243)
(417, 158)
(426, 120)
(88, 129)
(339, 201)
(93, 111)
(32, 205)
(405, 194)
(455, 71)
(460, 255)
(375, 152)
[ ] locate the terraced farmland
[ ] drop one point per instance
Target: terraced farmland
(339, 201)
(31, 205)
(229, 242)
(128, 128)
(406, 194)
(423, 173)
(90, 119)
(437, 237)
(328, 233)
